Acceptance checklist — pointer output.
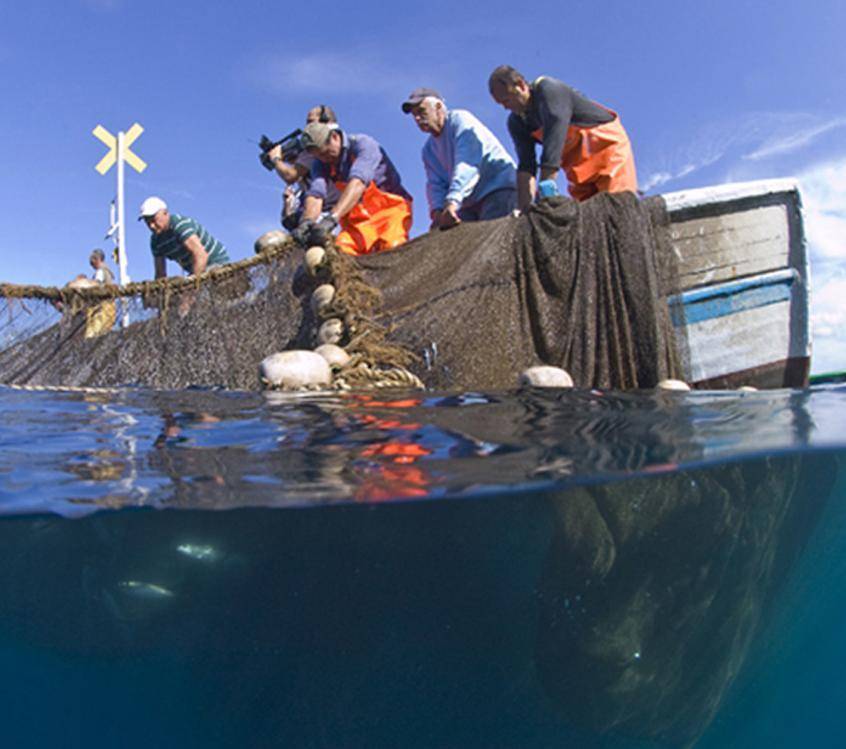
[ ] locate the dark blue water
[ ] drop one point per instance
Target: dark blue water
(200, 569)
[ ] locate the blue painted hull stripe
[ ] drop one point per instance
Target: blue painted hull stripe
(731, 298)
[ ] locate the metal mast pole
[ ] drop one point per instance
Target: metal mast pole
(121, 223)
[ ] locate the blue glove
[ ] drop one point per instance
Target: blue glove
(547, 188)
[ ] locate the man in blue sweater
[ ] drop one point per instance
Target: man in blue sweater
(469, 175)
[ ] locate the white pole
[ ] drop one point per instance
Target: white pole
(124, 275)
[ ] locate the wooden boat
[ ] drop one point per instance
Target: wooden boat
(744, 270)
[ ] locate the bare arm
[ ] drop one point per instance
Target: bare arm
(526, 189)
(290, 172)
(349, 198)
(446, 218)
(161, 269)
(312, 208)
(198, 253)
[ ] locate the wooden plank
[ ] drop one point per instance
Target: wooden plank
(751, 338)
(720, 248)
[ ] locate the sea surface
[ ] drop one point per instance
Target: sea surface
(404, 569)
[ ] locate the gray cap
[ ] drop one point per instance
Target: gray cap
(416, 96)
(316, 134)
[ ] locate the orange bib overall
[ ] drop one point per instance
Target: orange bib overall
(380, 221)
(597, 159)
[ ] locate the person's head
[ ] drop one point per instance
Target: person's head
(323, 140)
(428, 109)
(321, 113)
(155, 214)
(510, 89)
(97, 258)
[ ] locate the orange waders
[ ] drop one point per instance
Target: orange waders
(597, 159)
(380, 221)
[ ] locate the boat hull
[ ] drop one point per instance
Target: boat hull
(742, 316)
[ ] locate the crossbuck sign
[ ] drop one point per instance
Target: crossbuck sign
(119, 152)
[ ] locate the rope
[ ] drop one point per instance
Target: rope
(168, 284)
(363, 375)
(61, 388)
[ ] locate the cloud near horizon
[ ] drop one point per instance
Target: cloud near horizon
(823, 189)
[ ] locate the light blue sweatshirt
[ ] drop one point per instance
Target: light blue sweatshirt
(465, 162)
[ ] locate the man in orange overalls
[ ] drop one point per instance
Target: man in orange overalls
(373, 210)
(578, 135)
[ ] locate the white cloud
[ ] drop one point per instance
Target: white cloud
(655, 180)
(828, 318)
(365, 70)
(329, 73)
(781, 143)
(659, 178)
(752, 137)
(823, 189)
(824, 198)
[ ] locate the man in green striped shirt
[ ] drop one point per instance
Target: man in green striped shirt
(181, 239)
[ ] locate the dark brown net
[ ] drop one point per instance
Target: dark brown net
(582, 286)
(576, 285)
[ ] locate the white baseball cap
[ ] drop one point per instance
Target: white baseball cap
(151, 206)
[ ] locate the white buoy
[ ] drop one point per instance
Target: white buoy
(546, 377)
(270, 240)
(322, 298)
(335, 355)
(315, 258)
(295, 369)
(332, 331)
(674, 385)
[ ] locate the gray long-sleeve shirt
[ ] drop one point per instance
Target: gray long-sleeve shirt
(554, 106)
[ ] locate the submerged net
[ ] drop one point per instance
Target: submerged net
(582, 286)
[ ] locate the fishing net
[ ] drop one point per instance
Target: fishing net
(582, 286)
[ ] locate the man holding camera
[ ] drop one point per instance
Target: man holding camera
(293, 164)
(373, 210)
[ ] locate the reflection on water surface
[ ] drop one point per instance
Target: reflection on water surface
(515, 570)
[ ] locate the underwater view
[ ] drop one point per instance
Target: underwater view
(529, 568)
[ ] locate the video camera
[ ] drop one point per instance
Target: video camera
(291, 148)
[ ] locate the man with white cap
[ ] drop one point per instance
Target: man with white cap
(179, 238)
(373, 210)
(469, 175)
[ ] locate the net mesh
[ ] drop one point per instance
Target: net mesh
(582, 286)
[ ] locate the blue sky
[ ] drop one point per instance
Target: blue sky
(710, 92)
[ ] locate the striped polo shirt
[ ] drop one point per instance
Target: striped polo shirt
(170, 243)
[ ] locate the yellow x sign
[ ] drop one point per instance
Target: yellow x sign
(110, 140)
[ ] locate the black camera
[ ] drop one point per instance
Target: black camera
(291, 148)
